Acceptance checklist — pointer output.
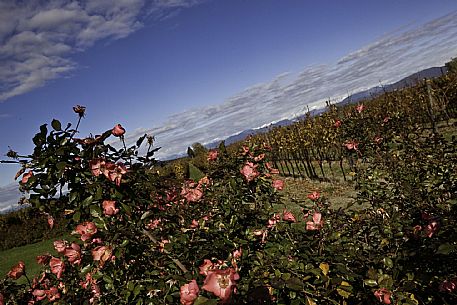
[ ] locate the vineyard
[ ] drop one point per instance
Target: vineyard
(215, 228)
(343, 137)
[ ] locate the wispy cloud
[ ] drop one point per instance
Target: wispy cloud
(37, 37)
(386, 60)
(9, 196)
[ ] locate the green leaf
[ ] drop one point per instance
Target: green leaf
(61, 165)
(77, 216)
(370, 283)
(388, 262)
(87, 201)
(446, 249)
(294, 283)
(95, 211)
(145, 215)
(140, 140)
(286, 276)
(56, 125)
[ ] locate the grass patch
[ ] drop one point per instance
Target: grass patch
(27, 254)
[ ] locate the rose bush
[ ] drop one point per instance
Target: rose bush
(228, 238)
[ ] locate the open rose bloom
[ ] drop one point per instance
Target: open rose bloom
(212, 155)
(221, 283)
(73, 253)
(86, 230)
(314, 196)
(26, 177)
(17, 271)
(278, 184)
(57, 266)
(109, 207)
(102, 254)
(383, 295)
(316, 223)
(288, 216)
(189, 292)
(249, 171)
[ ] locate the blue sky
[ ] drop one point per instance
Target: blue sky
(196, 70)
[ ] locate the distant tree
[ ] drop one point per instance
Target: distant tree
(190, 152)
(199, 149)
(452, 65)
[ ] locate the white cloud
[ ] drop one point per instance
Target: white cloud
(37, 37)
(386, 60)
(9, 196)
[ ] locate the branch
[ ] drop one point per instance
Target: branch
(176, 261)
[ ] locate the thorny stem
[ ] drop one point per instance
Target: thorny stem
(30, 284)
(125, 148)
(76, 129)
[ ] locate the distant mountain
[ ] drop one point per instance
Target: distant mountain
(408, 81)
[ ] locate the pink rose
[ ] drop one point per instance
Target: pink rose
(91, 283)
(189, 293)
(212, 155)
(221, 283)
(17, 270)
(80, 110)
(50, 221)
(360, 108)
(53, 294)
(237, 253)
(153, 224)
(86, 230)
(314, 196)
(278, 184)
(39, 294)
(204, 181)
(432, 228)
(191, 192)
(118, 130)
(288, 216)
(259, 158)
(60, 246)
(337, 123)
(73, 253)
(26, 177)
(109, 207)
(351, 145)
(102, 254)
(273, 220)
(249, 171)
(206, 266)
(194, 224)
(57, 266)
(2, 299)
(448, 286)
(162, 244)
(96, 166)
(383, 295)
(245, 150)
(317, 223)
(114, 172)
